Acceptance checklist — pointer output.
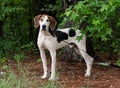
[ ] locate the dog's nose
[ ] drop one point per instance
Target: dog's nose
(43, 27)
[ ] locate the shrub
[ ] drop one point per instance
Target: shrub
(102, 21)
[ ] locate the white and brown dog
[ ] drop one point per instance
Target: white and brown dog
(51, 39)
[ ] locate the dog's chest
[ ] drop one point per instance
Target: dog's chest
(46, 41)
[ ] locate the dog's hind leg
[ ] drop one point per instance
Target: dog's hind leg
(89, 61)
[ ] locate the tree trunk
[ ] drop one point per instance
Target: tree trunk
(1, 30)
(69, 53)
(30, 21)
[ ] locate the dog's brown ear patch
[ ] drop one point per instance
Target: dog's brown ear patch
(53, 23)
(36, 21)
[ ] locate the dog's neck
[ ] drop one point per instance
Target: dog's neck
(52, 32)
(47, 32)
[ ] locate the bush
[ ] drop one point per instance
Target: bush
(102, 21)
(16, 26)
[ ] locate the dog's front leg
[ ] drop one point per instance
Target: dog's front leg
(43, 57)
(53, 57)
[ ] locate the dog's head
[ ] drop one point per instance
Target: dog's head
(45, 22)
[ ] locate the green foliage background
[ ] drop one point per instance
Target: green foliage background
(102, 22)
(102, 18)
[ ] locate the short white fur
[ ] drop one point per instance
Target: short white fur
(47, 41)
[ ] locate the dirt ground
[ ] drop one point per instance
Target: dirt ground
(71, 74)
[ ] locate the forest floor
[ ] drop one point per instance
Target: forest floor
(70, 74)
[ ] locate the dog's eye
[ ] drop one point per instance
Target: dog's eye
(41, 19)
(47, 20)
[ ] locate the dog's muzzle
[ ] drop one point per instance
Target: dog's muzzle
(43, 27)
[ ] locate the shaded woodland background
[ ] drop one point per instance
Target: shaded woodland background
(99, 19)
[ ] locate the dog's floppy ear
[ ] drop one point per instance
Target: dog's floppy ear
(36, 21)
(53, 23)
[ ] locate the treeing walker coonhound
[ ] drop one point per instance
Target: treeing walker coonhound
(51, 39)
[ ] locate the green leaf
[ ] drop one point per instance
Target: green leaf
(109, 31)
(110, 3)
(19, 57)
(104, 38)
(74, 16)
(68, 13)
(96, 22)
(104, 8)
(79, 38)
(118, 62)
(39, 60)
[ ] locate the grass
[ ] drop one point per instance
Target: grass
(11, 79)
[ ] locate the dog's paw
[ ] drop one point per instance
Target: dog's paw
(51, 78)
(87, 75)
(44, 77)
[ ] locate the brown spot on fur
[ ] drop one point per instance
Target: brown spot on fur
(53, 23)
(36, 21)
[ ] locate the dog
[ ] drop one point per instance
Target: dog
(51, 39)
